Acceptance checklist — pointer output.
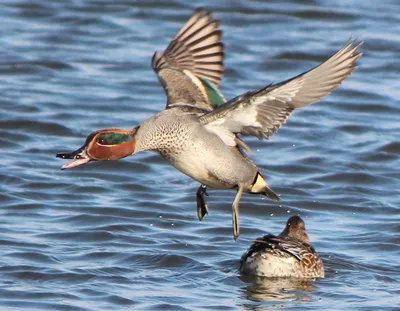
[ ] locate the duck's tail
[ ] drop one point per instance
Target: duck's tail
(260, 186)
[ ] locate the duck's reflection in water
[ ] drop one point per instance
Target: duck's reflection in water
(261, 289)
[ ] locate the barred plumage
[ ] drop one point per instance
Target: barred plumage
(289, 254)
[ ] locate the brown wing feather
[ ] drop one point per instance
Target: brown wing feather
(195, 53)
(197, 47)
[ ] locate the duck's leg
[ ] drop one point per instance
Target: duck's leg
(235, 213)
(202, 207)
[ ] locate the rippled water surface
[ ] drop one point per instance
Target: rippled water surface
(124, 235)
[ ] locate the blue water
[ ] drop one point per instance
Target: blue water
(124, 235)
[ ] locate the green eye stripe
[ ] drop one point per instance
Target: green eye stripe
(113, 138)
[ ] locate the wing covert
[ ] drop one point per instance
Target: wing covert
(261, 113)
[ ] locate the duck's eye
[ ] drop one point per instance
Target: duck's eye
(112, 138)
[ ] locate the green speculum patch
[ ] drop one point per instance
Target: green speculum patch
(214, 95)
(113, 138)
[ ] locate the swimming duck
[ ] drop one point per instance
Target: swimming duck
(289, 254)
(198, 132)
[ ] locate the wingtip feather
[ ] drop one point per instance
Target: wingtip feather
(197, 47)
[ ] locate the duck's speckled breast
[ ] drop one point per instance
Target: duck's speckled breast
(194, 151)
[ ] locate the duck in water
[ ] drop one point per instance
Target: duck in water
(289, 254)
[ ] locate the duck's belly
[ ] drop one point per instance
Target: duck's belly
(200, 171)
(223, 170)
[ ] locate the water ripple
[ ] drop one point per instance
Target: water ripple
(125, 235)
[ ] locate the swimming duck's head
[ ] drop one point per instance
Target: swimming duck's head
(108, 144)
(296, 228)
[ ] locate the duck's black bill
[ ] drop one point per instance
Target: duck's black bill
(65, 155)
(79, 157)
(72, 155)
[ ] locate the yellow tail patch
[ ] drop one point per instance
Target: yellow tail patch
(259, 185)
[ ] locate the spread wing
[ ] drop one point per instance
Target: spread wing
(191, 68)
(261, 113)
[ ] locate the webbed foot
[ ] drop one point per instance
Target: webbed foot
(202, 207)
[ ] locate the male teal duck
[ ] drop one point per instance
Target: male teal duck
(198, 132)
(289, 254)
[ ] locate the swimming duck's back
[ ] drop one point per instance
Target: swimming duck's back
(274, 256)
(289, 254)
